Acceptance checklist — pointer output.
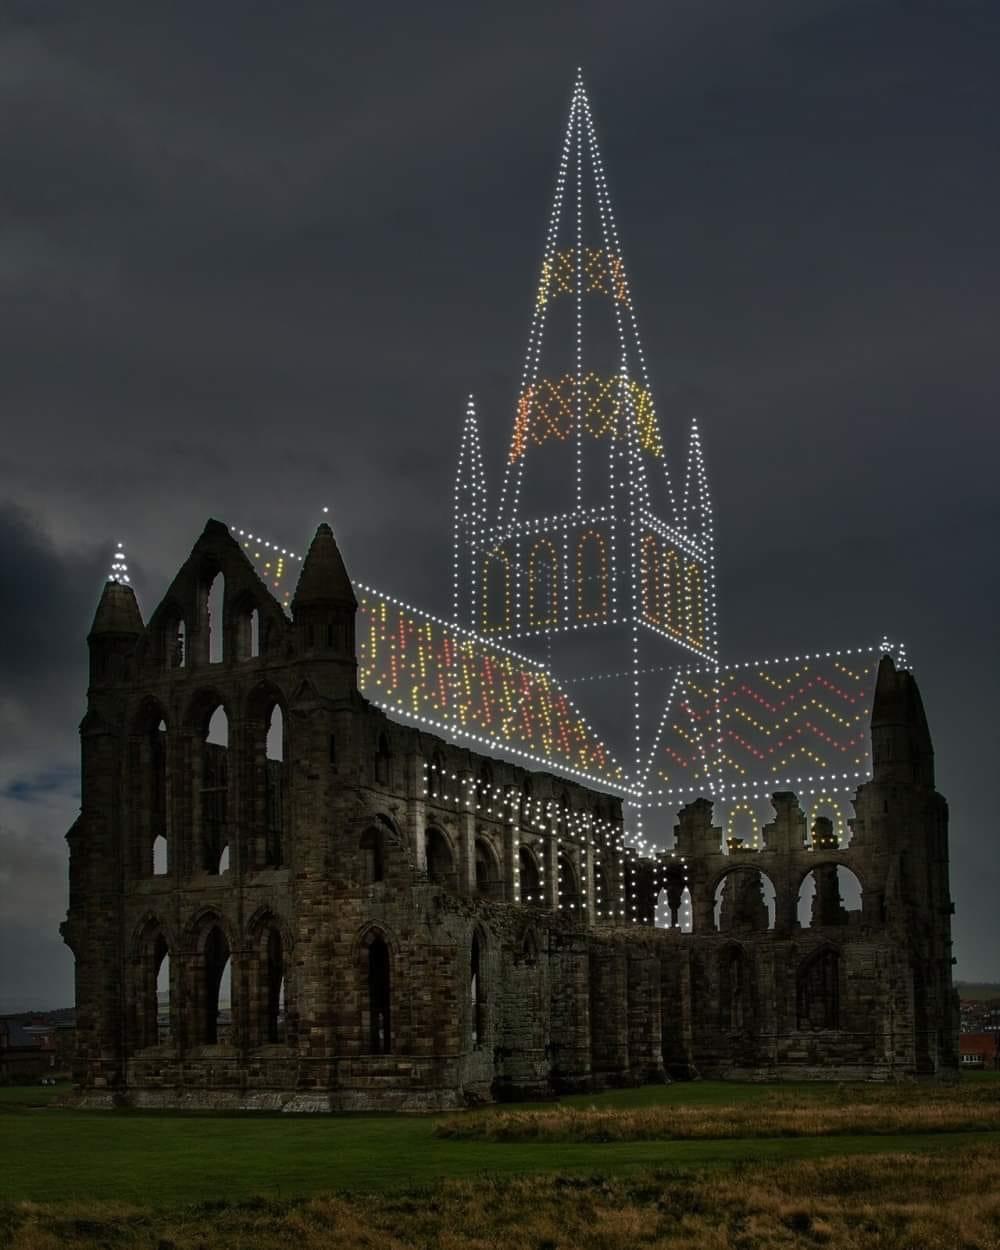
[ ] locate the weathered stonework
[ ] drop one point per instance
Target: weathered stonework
(411, 926)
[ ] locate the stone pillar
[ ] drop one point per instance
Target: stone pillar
(609, 1016)
(570, 1008)
(466, 825)
(418, 810)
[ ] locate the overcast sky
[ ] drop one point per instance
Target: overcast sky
(254, 256)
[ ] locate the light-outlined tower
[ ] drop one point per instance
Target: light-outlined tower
(591, 561)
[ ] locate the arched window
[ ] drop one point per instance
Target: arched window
(153, 989)
(214, 610)
(543, 585)
(591, 577)
(274, 1001)
(214, 792)
(695, 602)
(372, 856)
(379, 998)
(830, 894)
(744, 902)
(274, 788)
(383, 760)
(818, 991)
(216, 988)
(266, 1018)
(174, 640)
(477, 1013)
(732, 990)
(254, 633)
(164, 1026)
(530, 878)
(649, 572)
(569, 885)
(180, 646)
(672, 593)
(496, 592)
(155, 748)
(440, 864)
(488, 880)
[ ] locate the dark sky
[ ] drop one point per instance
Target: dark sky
(254, 256)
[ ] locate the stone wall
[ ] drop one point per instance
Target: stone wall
(409, 925)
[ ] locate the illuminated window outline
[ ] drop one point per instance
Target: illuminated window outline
(583, 612)
(551, 616)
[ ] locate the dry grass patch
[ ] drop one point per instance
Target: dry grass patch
(894, 1202)
(852, 1110)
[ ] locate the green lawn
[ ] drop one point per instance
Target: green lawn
(51, 1154)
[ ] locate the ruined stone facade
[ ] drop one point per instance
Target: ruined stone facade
(406, 924)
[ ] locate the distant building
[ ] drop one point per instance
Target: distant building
(977, 1016)
(980, 1050)
(33, 1046)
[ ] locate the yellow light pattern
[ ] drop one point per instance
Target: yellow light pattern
(547, 410)
(695, 593)
(603, 274)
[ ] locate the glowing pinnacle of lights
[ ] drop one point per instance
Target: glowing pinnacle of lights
(119, 569)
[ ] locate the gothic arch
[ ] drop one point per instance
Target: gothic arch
(269, 946)
(746, 908)
(441, 858)
(266, 734)
(376, 958)
(150, 949)
(489, 872)
(529, 875)
(832, 897)
(211, 955)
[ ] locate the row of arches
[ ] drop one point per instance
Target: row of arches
(569, 895)
(744, 900)
(591, 582)
(672, 591)
(185, 782)
(203, 992)
(233, 629)
(192, 982)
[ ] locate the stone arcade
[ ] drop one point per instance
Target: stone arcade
(352, 880)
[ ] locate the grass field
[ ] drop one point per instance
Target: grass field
(151, 1180)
